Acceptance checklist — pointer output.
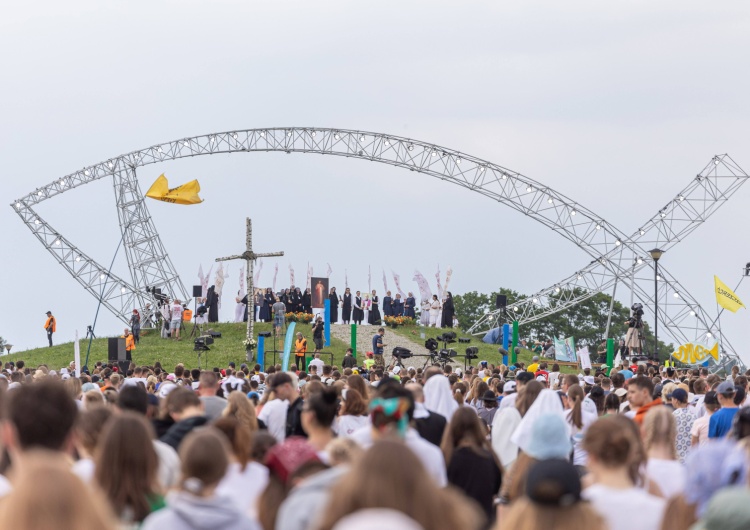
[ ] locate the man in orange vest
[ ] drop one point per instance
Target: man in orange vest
(300, 348)
(129, 344)
(51, 326)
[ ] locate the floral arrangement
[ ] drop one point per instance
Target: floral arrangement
(249, 344)
(399, 321)
(304, 318)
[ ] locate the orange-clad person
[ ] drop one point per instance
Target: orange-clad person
(51, 326)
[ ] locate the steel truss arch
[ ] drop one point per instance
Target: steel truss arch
(589, 231)
(691, 207)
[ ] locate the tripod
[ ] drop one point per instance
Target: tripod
(90, 332)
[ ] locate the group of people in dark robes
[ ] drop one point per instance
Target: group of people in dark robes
(396, 307)
(354, 307)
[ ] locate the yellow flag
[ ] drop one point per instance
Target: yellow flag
(185, 194)
(726, 297)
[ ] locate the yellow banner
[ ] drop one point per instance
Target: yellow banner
(696, 353)
(185, 194)
(726, 297)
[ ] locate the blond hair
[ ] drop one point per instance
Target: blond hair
(240, 407)
(659, 428)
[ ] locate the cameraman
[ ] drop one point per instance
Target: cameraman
(635, 328)
(378, 348)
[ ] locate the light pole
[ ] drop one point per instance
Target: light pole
(655, 255)
(8, 347)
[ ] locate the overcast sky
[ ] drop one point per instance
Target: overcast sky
(617, 105)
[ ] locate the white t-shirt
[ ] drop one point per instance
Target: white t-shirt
(646, 513)
(319, 364)
(346, 425)
(244, 487)
(176, 313)
(669, 475)
(580, 457)
(273, 414)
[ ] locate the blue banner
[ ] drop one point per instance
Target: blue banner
(327, 321)
(288, 346)
(261, 352)
(506, 341)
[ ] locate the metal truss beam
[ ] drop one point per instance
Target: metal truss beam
(148, 261)
(589, 231)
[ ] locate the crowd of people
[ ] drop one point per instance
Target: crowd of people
(363, 446)
(353, 307)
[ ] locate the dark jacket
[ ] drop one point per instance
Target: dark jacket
(179, 430)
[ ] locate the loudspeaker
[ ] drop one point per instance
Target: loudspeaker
(197, 291)
(501, 301)
(116, 351)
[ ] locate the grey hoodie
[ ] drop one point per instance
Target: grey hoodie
(188, 512)
(306, 502)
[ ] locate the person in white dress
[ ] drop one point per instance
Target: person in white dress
(434, 311)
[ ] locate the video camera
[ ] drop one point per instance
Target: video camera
(401, 353)
(202, 343)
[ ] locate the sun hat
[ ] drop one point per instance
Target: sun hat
(550, 438)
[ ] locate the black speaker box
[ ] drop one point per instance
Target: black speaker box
(501, 301)
(116, 351)
(197, 291)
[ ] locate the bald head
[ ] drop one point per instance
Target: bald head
(432, 370)
(416, 391)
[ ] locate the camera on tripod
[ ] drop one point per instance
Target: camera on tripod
(401, 353)
(202, 343)
(637, 319)
(449, 337)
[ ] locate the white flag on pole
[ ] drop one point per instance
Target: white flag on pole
(77, 356)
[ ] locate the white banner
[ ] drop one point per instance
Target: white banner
(77, 356)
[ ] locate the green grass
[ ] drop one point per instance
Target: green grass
(153, 348)
(487, 352)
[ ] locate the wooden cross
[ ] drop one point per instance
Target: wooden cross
(250, 257)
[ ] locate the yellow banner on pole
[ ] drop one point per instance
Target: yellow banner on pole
(185, 194)
(725, 297)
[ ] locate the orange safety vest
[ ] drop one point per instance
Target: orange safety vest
(187, 315)
(300, 346)
(53, 322)
(129, 343)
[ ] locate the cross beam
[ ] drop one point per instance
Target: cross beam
(250, 257)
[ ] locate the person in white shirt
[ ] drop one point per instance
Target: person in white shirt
(580, 419)
(353, 414)
(609, 443)
(273, 415)
(175, 320)
(699, 430)
(663, 468)
(317, 363)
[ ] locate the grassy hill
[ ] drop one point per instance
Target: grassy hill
(153, 348)
(487, 352)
